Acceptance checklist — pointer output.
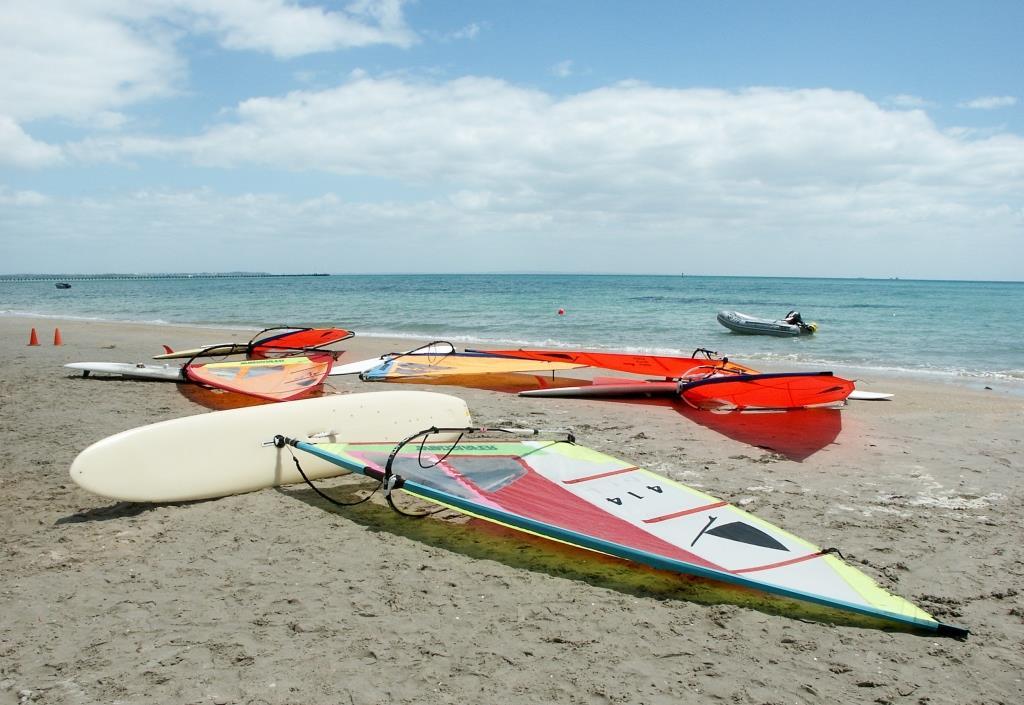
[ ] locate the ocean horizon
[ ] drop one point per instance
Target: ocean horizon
(79, 276)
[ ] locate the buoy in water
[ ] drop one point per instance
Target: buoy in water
(561, 312)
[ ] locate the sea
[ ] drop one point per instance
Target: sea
(955, 330)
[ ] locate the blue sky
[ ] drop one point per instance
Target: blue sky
(749, 138)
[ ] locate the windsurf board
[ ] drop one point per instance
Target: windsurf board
(607, 391)
(214, 350)
(649, 389)
(859, 395)
(222, 453)
(354, 368)
(172, 373)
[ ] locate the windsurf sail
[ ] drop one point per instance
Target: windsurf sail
(291, 340)
(569, 493)
(722, 390)
(438, 348)
(411, 366)
(277, 379)
(285, 341)
(785, 390)
(701, 362)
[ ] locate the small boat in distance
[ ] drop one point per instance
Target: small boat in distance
(791, 325)
(63, 285)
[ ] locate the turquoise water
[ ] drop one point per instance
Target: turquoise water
(957, 329)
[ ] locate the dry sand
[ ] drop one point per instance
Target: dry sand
(275, 597)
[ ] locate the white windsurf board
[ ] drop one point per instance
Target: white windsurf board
(650, 389)
(869, 396)
(361, 366)
(138, 370)
(607, 391)
(213, 350)
(222, 452)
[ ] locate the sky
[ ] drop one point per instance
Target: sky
(766, 138)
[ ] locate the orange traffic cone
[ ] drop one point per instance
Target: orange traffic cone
(33, 339)
(57, 339)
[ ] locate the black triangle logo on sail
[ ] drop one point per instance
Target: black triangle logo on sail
(745, 533)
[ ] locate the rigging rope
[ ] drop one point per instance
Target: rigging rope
(320, 492)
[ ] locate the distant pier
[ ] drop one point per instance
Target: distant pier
(133, 277)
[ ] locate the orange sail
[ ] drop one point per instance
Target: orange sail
(660, 365)
(293, 340)
(289, 341)
(277, 380)
(786, 390)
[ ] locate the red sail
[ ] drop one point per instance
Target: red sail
(787, 390)
(293, 340)
(658, 365)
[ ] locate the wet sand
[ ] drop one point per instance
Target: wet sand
(277, 597)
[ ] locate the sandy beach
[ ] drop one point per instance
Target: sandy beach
(277, 597)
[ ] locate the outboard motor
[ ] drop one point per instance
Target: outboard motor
(793, 318)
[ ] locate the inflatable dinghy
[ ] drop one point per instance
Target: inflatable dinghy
(791, 325)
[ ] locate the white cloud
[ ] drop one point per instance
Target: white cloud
(84, 61)
(287, 29)
(21, 198)
(18, 149)
(563, 69)
(242, 232)
(77, 60)
(989, 102)
(692, 172)
(907, 101)
(630, 139)
(470, 31)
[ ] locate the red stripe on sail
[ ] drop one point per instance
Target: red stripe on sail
(675, 515)
(599, 475)
(780, 564)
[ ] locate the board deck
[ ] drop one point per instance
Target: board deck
(648, 389)
(859, 395)
(607, 391)
(222, 453)
(171, 373)
(213, 350)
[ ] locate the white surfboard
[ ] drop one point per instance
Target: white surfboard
(212, 350)
(356, 368)
(127, 369)
(639, 389)
(361, 366)
(608, 391)
(869, 396)
(222, 452)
